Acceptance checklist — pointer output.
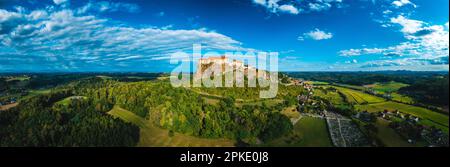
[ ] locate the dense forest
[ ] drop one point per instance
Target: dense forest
(38, 121)
(430, 90)
(185, 111)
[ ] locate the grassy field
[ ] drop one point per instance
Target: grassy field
(402, 98)
(18, 78)
(32, 93)
(386, 87)
(308, 132)
(389, 137)
(268, 102)
(428, 117)
(152, 136)
(66, 101)
(317, 83)
(291, 112)
(355, 87)
(358, 97)
(333, 97)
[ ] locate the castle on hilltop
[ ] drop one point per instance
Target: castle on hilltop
(213, 64)
(222, 60)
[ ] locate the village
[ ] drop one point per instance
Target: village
(345, 132)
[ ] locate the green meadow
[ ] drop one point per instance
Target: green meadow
(358, 97)
(386, 87)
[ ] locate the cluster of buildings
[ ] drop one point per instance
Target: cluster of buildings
(9, 101)
(303, 98)
(388, 115)
(433, 136)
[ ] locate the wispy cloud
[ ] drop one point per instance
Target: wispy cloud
(66, 40)
(400, 3)
(425, 45)
(297, 7)
(106, 6)
(58, 2)
(316, 35)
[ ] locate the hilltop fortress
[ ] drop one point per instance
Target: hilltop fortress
(217, 66)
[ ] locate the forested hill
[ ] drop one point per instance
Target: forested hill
(41, 121)
(53, 120)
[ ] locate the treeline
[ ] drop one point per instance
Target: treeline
(364, 78)
(185, 111)
(429, 91)
(48, 80)
(38, 121)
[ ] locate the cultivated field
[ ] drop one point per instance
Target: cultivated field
(332, 96)
(357, 97)
(402, 98)
(152, 136)
(386, 87)
(317, 83)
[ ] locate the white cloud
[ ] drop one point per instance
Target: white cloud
(58, 2)
(319, 6)
(426, 44)
(128, 58)
(297, 7)
(274, 7)
(409, 26)
(289, 9)
(62, 39)
(260, 2)
(316, 35)
(105, 6)
(400, 3)
(354, 61)
(387, 12)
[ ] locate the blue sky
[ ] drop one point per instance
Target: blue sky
(140, 35)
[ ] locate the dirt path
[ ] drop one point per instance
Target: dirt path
(8, 106)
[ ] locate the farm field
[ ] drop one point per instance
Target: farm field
(386, 87)
(152, 136)
(431, 118)
(308, 132)
(317, 83)
(332, 96)
(355, 87)
(402, 98)
(357, 97)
